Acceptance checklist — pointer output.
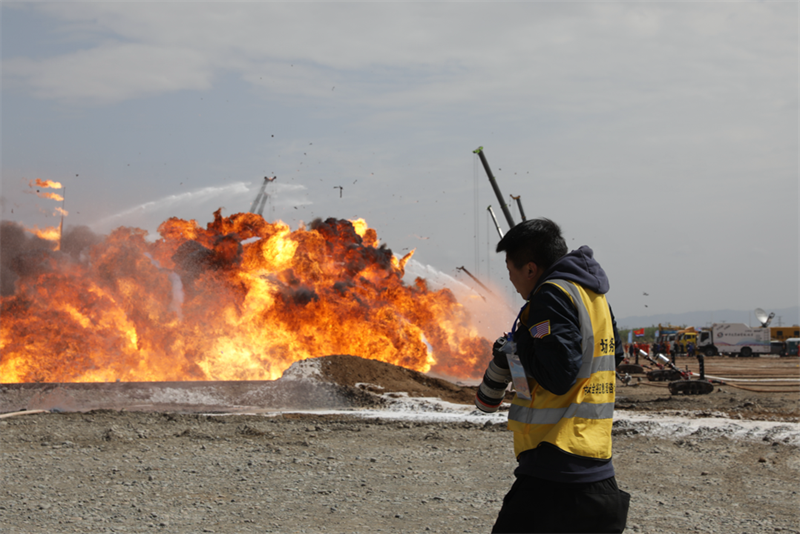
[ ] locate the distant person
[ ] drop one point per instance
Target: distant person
(564, 347)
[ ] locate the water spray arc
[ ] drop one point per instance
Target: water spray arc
(464, 269)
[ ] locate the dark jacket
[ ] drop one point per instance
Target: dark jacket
(554, 360)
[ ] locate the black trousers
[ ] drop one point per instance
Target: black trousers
(536, 505)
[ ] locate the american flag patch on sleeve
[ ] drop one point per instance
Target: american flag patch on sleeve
(540, 330)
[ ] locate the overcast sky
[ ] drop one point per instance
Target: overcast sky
(662, 135)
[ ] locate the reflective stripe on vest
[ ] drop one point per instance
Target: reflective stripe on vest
(591, 363)
(579, 421)
(551, 416)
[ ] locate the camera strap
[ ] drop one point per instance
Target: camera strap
(518, 376)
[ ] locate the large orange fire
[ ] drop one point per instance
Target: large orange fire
(241, 299)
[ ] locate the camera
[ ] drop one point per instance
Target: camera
(495, 380)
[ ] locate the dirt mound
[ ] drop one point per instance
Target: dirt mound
(329, 382)
(347, 382)
(381, 378)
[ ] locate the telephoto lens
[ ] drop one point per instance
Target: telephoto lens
(495, 381)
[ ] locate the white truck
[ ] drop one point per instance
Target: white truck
(734, 339)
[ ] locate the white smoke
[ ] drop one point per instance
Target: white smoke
(176, 304)
(177, 294)
(200, 204)
(491, 313)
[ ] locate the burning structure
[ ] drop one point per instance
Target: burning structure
(241, 299)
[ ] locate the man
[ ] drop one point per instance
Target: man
(568, 345)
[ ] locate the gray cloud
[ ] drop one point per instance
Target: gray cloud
(664, 135)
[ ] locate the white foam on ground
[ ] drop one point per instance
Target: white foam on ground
(168, 395)
(676, 426)
(433, 410)
(401, 407)
(418, 409)
(303, 370)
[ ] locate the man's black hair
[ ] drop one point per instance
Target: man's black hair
(536, 240)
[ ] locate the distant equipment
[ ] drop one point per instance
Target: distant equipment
(734, 339)
(509, 218)
(496, 224)
(763, 318)
(464, 269)
(519, 205)
(681, 381)
(257, 206)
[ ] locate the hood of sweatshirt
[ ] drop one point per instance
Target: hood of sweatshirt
(578, 266)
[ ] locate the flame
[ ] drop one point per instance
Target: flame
(45, 183)
(53, 196)
(361, 228)
(241, 299)
(49, 233)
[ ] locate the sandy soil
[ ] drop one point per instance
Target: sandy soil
(171, 470)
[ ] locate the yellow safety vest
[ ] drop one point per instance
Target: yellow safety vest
(578, 422)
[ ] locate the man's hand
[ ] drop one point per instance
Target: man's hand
(497, 349)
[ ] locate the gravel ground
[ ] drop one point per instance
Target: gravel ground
(112, 471)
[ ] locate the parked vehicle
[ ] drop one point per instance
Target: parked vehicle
(777, 347)
(683, 338)
(782, 333)
(792, 345)
(734, 339)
